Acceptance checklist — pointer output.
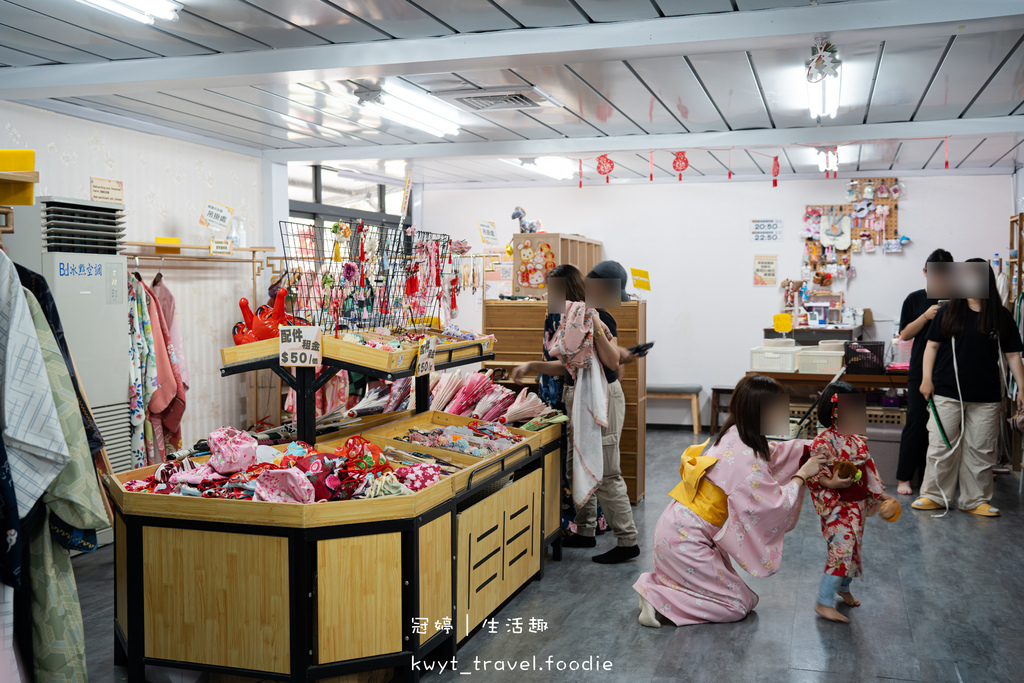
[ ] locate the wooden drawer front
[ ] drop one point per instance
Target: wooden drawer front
(435, 573)
(630, 421)
(479, 561)
(522, 339)
(552, 491)
(499, 316)
(522, 532)
(627, 443)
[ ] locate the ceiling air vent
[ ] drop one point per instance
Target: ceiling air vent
(494, 99)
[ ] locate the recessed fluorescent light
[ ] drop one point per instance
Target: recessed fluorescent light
(558, 168)
(417, 98)
(401, 111)
(144, 11)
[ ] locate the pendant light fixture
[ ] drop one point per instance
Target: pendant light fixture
(824, 80)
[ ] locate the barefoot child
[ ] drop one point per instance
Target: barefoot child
(845, 491)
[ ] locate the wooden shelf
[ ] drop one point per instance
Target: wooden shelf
(20, 176)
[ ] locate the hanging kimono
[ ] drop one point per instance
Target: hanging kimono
(149, 369)
(40, 289)
(843, 511)
(729, 504)
(136, 373)
(170, 310)
(72, 501)
(168, 402)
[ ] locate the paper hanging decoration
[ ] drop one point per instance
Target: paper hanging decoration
(730, 164)
(947, 152)
(775, 171)
(581, 174)
(650, 164)
(605, 166)
(680, 163)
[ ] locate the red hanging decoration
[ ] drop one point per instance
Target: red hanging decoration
(680, 163)
(730, 164)
(775, 171)
(605, 166)
(947, 153)
(650, 165)
(581, 174)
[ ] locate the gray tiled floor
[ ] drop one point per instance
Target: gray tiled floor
(939, 605)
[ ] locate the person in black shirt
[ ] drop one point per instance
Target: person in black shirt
(611, 493)
(915, 320)
(961, 373)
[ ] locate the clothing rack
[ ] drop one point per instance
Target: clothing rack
(255, 257)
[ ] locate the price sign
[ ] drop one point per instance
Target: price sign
(488, 232)
(216, 216)
(766, 230)
(300, 346)
(221, 247)
(425, 357)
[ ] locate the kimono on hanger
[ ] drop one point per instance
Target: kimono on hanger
(170, 310)
(167, 404)
(72, 501)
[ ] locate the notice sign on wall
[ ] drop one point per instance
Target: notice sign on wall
(641, 279)
(216, 216)
(765, 267)
(300, 346)
(103, 190)
(488, 232)
(766, 230)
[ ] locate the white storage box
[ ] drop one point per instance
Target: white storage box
(902, 349)
(777, 343)
(815, 362)
(773, 359)
(832, 345)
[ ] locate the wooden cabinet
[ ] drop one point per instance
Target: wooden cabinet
(519, 329)
(498, 549)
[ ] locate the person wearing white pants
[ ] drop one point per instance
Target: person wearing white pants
(962, 377)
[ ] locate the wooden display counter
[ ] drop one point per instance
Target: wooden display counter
(518, 327)
(295, 592)
(890, 380)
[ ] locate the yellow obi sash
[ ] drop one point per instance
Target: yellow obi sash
(697, 493)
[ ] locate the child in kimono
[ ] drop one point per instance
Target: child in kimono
(844, 493)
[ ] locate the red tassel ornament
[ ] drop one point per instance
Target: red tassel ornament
(680, 163)
(775, 171)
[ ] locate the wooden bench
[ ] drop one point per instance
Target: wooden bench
(680, 392)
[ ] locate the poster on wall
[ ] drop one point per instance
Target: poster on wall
(488, 232)
(103, 190)
(766, 230)
(216, 216)
(765, 267)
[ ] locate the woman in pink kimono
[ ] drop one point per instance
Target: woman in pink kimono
(736, 499)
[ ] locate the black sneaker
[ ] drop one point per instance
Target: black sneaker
(577, 541)
(618, 555)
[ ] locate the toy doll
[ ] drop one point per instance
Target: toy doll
(844, 493)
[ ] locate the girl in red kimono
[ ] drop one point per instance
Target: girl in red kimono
(843, 502)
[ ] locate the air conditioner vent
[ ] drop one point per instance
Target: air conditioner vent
(496, 99)
(81, 227)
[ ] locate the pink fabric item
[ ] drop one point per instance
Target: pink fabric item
(197, 476)
(168, 403)
(231, 450)
(694, 580)
(170, 310)
(284, 486)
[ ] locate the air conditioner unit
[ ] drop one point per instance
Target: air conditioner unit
(76, 245)
(497, 99)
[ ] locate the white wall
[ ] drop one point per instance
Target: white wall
(166, 183)
(703, 312)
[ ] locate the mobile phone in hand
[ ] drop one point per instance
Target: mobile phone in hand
(640, 350)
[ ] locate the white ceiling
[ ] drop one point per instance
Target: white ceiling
(634, 75)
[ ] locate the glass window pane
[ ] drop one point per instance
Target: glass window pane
(393, 200)
(300, 183)
(348, 193)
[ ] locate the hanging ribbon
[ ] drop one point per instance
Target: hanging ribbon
(650, 165)
(730, 164)
(581, 174)
(775, 171)
(680, 163)
(947, 152)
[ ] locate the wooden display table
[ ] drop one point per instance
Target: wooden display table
(890, 380)
(311, 592)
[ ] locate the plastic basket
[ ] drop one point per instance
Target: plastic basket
(814, 362)
(779, 343)
(773, 359)
(865, 358)
(903, 350)
(832, 345)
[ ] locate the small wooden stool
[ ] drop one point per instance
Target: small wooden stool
(716, 404)
(680, 392)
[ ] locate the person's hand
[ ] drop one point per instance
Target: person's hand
(835, 482)
(930, 313)
(928, 389)
(810, 468)
(1020, 402)
(625, 357)
(885, 496)
(521, 371)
